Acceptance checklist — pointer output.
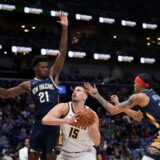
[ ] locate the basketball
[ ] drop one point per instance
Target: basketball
(86, 118)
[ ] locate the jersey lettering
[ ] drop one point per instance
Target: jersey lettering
(43, 97)
(73, 132)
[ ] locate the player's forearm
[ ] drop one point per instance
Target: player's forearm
(95, 136)
(107, 105)
(138, 116)
(53, 121)
(64, 40)
(11, 92)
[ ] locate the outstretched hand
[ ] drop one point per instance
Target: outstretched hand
(63, 19)
(92, 90)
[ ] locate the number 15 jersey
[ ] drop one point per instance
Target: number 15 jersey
(44, 95)
(75, 139)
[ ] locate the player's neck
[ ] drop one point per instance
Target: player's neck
(78, 106)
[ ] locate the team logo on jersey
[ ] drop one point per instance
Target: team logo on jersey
(153, 150)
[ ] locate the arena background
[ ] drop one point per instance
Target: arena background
(109, 43)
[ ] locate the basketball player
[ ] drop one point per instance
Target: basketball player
(44, 91)
(149, 103)
(77, 141)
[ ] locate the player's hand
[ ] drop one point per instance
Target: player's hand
(63, 19)
(73, 119)
(114, 99)
(92, 90)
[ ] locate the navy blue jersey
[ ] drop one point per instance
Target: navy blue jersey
(152, 110)
(44, 94)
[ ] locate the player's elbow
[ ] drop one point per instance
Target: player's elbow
(45, 120)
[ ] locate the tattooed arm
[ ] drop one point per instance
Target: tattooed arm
(135, 99)
(136, 115)
(121, 107)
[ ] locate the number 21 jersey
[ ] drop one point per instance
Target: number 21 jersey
(44, 95)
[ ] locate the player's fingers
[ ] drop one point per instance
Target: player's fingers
(87, 85)
(77, 114)
(59, 14)
(95, 86)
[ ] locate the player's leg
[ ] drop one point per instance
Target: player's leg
(33, 155)
(52, 135)
(43, 156)
(51, 155)
(36, 141)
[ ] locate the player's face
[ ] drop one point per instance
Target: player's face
(79, 94)
(136, 87)
(42, 69)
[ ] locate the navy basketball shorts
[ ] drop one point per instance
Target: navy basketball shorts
(43, 138)
(153, 150)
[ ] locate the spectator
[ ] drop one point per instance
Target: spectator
(23, 152)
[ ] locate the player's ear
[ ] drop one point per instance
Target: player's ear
(86, 96)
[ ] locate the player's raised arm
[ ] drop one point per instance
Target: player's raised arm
(135, 99)
(15, 91)
(59, 62)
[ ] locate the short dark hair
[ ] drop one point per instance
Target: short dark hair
(147, 78)
(37, 59)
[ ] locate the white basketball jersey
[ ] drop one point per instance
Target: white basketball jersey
(75, 139)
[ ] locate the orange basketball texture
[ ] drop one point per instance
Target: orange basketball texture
(86, 118)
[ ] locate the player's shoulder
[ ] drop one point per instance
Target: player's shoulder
(26, 82)
(64, 108)
(63, 104)
(142, 95)
(137, 96)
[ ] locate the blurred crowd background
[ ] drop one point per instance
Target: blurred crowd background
(122, 138)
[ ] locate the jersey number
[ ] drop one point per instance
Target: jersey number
(73, 132)
(43, 97)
